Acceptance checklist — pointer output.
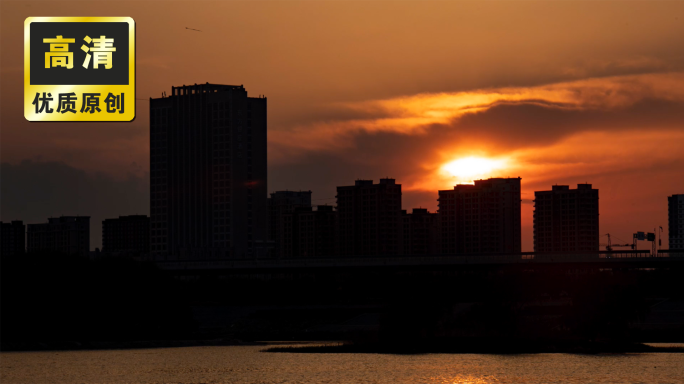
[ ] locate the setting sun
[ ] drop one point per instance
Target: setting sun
(471, 168)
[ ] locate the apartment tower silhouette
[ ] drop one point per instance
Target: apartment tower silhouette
(369, 218)
(566, 220)
(675, 219)
(208, 173)
(480, 218)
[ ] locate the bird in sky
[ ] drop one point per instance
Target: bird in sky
(193, 29)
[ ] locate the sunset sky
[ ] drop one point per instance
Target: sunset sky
(429, 93)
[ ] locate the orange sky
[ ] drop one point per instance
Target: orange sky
(563, 92)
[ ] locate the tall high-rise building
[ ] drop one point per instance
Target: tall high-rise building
(279, 204)
(12, 238)
(675, 220)
(208, 173)
(479, 218)
(65, 234)
(127, 234)
(566, 220)
(419, 232)
(369, 218)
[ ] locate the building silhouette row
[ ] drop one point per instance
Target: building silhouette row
(65, 234)
(126, 235)
(482, 218)
(368, 220)
(208, 200)
(479, 218)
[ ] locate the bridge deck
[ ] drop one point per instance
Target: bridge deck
(442, 260)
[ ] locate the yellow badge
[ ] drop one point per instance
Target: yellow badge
(79, 69)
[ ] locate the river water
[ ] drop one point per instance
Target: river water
(247, 364)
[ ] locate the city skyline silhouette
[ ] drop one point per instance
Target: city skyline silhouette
(599, 101)
(342, 191)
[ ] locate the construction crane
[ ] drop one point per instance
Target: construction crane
(610, 245)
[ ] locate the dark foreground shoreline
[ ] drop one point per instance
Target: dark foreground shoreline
(113, 345)
(478, 348)
(474, 347)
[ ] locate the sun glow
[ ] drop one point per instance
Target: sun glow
(468, 169)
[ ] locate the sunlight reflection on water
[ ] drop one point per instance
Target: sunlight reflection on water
(247, 364)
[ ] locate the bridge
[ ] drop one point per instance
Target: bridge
(625, 259)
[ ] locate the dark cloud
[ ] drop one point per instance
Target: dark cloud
(525, 125)
(505, 127)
